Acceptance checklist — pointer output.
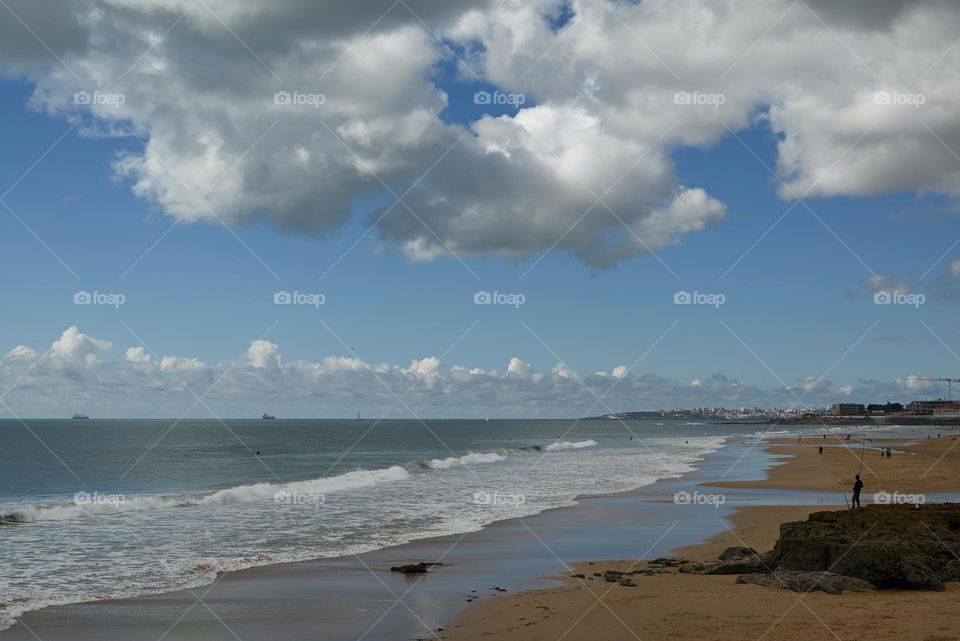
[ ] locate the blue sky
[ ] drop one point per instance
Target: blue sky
(200, 292)
(797, 299)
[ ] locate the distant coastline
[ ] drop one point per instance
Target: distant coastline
(794, 419)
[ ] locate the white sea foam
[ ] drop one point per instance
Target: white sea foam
(199, 535)
(468, 459)
(254, 493)
(568, 445)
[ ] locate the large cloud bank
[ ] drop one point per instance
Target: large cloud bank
(862, 96)
(81, 373)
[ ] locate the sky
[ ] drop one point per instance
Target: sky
(477, 207)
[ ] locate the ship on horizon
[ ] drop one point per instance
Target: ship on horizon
(268, 417)
(78, 416)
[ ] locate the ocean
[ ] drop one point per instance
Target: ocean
(97, 509)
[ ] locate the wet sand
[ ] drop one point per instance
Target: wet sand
(511, 579)
(681, 606)
(354, 597)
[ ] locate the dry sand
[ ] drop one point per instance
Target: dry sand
(923, 465)
(680, 606)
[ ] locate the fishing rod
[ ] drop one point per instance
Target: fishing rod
(863, 447)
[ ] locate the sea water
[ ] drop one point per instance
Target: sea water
(97, 509)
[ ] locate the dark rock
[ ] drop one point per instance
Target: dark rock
(612, 576)
(414, 568)
(668, 563)
(799, 581)
(951, 571)
(626, 582)
(735, 566)
(578, 576)
(890, 546)
(737, 552)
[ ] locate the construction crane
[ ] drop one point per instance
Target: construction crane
(950, 382)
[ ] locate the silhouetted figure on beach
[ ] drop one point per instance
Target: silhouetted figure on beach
(856, 493)
(888, 452)
(821, 450)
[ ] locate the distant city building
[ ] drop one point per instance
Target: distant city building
(938, 407)
(848, 409)
(888, 408)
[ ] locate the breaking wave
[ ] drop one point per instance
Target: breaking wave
(99, 505)
(568, 445)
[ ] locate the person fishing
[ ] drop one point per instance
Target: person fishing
(855, 502)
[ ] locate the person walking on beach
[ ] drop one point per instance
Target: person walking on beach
(821, 450)
(856, 493)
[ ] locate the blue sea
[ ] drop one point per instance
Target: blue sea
(97, 509)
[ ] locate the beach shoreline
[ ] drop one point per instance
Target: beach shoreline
(349, 597)
(665, 604)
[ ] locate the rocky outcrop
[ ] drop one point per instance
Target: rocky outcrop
(414, 568)
(733, 560)
(889, 546)
(798, 581)
(879, 546)
(737, 552)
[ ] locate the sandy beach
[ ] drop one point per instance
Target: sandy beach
(670, 605)
(512, 580)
